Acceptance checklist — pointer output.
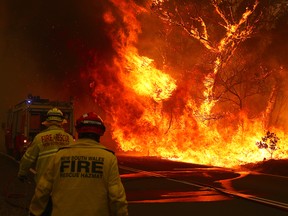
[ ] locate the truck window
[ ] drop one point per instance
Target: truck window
(35, 122)
(35, 126)
(19, 121)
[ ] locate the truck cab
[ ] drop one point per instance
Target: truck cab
(25, 121)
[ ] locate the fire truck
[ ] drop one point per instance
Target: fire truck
(25, 121)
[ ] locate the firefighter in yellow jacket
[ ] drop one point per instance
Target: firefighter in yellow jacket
(45, 145)
(82, 178)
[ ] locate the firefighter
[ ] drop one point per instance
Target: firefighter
(45, 145)
(82, 178)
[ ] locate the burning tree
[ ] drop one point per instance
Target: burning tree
(220, 26)
(236, 84)
(190, 16)
(268, 142)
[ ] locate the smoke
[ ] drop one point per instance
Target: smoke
(46, 48)
(46, 45)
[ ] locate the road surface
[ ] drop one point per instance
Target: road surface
(159, 187)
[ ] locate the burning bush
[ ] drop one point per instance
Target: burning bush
(268, 142)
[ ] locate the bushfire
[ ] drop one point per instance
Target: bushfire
(180, 88)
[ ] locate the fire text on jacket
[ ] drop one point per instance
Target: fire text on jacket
(81, 167)
(55, 139)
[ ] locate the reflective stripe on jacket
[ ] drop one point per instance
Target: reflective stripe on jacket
(83, 179)
(44, 145)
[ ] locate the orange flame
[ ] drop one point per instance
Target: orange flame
(146, 117)
(146, 80)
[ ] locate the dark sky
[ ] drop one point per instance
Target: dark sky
(46, 45)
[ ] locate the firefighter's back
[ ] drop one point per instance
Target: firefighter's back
(83, 173)
(45, 145)
(48, 142)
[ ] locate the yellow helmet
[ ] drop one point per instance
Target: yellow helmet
(55, 114)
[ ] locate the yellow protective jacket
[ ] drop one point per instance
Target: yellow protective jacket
(83, 179)
(43, 147)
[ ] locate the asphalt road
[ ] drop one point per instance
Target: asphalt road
(159, 187)
(15, 195)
